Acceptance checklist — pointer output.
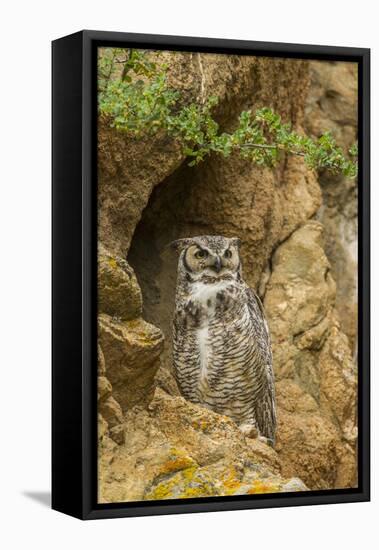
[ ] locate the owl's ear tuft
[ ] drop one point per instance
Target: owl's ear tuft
(179, 244)
(236, 242)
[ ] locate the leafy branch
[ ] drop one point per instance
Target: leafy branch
(135, 95)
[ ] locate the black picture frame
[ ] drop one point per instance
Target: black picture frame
(74, 426)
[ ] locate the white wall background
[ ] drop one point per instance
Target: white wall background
(27, 29)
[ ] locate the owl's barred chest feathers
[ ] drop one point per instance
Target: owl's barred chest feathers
(216, 313)
(216, 324)
(221, 345)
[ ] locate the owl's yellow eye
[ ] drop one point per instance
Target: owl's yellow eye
(201, 253)
(228, 253)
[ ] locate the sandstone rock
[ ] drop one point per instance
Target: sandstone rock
(100, 361)
(102, 428)
(179, 450)
(315, 376)
(124, 336)
(111, 412)
(338, 384)
(332, 105)
(128, 170)
(104, 388)
(131, 351)
(118, 292)
(117, 433)
(332, 100)
(166, 381)
(299, 296)
(308, 447)
(293, 485)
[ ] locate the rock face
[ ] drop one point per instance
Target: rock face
(119, 294)
(129, 347)
(332, 105)
(152, 443)
(315, 376)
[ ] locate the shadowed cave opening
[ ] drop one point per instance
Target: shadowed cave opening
(164, 219)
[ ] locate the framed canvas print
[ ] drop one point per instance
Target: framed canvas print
(210, 275)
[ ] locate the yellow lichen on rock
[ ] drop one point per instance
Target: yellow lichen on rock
(258, 487)
(177, 460)
(230, 481)
(189, 483)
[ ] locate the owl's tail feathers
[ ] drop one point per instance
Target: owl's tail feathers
(266, 418)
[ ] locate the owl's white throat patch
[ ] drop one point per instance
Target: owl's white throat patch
(204, 295)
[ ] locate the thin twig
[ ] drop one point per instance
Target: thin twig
(260, 146)
(267, 146)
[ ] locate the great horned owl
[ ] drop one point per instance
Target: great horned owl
(221, 343)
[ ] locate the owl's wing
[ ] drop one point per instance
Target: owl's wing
(265, 410)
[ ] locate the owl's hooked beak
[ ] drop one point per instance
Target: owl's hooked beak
(217, 265)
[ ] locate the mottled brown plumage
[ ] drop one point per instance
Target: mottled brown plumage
(221, 342)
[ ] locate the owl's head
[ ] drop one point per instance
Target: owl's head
(209, 257)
